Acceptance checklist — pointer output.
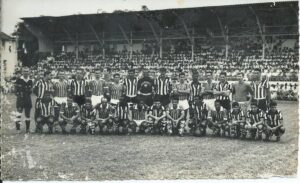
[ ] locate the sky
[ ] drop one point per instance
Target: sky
(13, 10)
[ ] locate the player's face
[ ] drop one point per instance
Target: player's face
(240, 77)
(254, 107)
(273, 108)
(175, 103)
(69, 103)
(26, 73)
(222, 78)
(236, 109)
(47, 77)
(256, 76)
(131, 74)
(117, 78)
(162, 74)
(208, 76)
(217, 105)
(79, 75)
(157, 104)
(88, 105)
(146, 73)
(61, 76)
(195, 77)
(97, 75)
(182, 78)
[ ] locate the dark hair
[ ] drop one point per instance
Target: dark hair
(116, 74)
(217, 101)
(223, 73)
(181, 74)
(235, 104)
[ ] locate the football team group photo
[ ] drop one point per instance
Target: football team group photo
(180, 93)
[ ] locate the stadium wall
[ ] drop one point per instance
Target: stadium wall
(9, 58)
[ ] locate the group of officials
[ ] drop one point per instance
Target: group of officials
(146, 105)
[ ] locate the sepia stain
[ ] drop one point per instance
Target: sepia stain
(180, 2)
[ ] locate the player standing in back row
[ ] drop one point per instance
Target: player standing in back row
(261, 90)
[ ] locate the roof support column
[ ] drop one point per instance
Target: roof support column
(261, 31)
(160, 45)
(103, 46)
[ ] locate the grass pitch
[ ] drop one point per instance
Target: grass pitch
(112, 157)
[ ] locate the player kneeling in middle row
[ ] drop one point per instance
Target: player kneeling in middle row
(69, 113)
(237, 121)
(175, 118)
(138, 117)
(255, 121)
(218, 120)
(273, 122)
(156, 118)
(104, 116)
(121, 116)
(198, 113)
(87, 118)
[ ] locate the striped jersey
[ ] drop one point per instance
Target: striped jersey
(234, 116)
(116, 90)
(138, 114)
(45, 107)
(260, 89)
(255, 116)
(219, 116)
(182, 86)
(88, 113)
(121, 112)
(223, 87)
(61, 89)
(175, 113)
(97, 87)
(198, 111)
(78, 87)
(104, 111)
(162, 86)
(42, 86)
(69, 112)
(130, 87)
(195, 89)
(157, 112)
(273, 118)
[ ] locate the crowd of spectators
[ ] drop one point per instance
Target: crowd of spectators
(279, 64)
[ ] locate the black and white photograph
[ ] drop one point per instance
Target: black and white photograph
(116, 90)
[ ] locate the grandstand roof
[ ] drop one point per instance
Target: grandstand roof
(4, 36)
(278, 18)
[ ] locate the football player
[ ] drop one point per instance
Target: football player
(198, 114)
(175, 118)
(69, 113)
(237, 121)
(104, 116)
(255, 121)
(87, 117)
(121, 116)
(218, 120)
(273, 122)
(157, 117)
(45, 113)
(138, 117)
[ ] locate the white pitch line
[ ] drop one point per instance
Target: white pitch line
(30, 161)
(25, 137)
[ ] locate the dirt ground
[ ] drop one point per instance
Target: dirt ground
(111, 157)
